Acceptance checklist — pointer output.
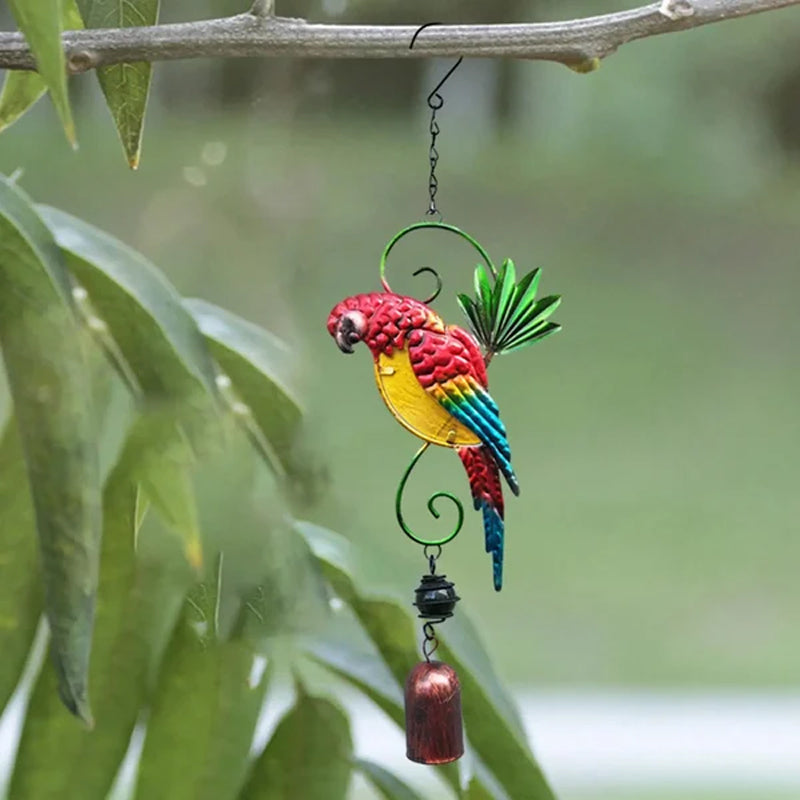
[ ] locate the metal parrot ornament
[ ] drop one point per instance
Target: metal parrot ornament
(432, 376)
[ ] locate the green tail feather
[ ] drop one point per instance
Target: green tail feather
(505, 316)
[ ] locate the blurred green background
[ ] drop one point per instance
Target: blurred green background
(656, 438)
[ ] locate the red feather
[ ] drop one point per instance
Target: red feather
(484, 478)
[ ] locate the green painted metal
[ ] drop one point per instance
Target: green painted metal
(431, 507)
(439, 226)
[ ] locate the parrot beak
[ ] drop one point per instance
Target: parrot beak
(341, 340)
(348, 331)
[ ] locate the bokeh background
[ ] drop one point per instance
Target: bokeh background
(650, 615)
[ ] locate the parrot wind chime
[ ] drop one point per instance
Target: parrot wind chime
(432, 378)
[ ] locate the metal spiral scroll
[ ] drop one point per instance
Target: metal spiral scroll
(432, 500)
(438, 226)
(431, 507)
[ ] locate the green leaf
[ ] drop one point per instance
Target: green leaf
(125, 86)
(491, 723)
(203, 717)
(525, 295)
(47, 730)
(155, 334)
(20, 587)
(477, 791)
(309, 755)
(180, 721)
(41, 22)
(22, 88)
(162, 470)
(56, 740)
(483, 287)
(331, 548)
(474, 316)
(533, 315)
(483, 291)
(291, 598)
(509, 312)
(261, 368)
(71, 15)
(50, 386)
(138, 599)
(527, 325)
(390, 786)
(239, 704)
(503, 295)
(364, 671)
(532, 336)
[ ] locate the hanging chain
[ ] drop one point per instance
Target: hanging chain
(433, 154)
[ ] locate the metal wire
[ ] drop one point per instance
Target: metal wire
(435, 103)
(431, 557)
(430, 642)
(398, 507)
(443, 226)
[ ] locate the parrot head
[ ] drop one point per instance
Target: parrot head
(381, 320)
(347, 323)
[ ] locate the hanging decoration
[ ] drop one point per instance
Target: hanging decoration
(432, 378)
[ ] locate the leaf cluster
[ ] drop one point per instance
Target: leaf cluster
(124, 86)
(140, 419)
(505, 315)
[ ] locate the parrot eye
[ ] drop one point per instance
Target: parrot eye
(353, 337)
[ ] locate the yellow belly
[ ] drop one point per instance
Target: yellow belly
(414, 408)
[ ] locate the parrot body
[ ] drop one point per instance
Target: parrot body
(449, 367)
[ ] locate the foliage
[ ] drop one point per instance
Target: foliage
(505, 315)
(42, 22)
(125, 86)
(129, 399)
(47, 368)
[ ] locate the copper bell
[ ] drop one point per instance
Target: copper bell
(434, 732)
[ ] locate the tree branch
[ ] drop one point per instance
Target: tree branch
(577, 43)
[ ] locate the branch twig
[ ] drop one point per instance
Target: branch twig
(578, 43)
(263, 8)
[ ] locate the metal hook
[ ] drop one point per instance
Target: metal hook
(435, 100)
(419, 31)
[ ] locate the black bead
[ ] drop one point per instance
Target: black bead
(436, 597)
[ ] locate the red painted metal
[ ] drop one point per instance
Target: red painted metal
(434, 730)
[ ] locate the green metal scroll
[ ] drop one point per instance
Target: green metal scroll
(431, 507)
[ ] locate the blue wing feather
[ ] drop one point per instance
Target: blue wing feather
(473, 407)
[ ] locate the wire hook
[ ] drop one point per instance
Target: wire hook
(435, 100)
